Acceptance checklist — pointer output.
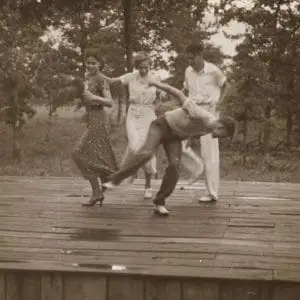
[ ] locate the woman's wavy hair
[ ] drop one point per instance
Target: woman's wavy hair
(140, 57)
(95, 53)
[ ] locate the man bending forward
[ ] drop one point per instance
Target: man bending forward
(189, 120)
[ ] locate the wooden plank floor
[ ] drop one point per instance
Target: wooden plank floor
(253, 232)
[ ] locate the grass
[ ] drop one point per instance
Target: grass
(47, 144)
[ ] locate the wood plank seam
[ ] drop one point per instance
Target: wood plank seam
(107, 286)
(63, 286)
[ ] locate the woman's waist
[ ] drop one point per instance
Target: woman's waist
(96, 112)
(141, 111)
(141, 108)
(139, 105)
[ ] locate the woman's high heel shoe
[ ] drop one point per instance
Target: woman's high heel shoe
(93, 201)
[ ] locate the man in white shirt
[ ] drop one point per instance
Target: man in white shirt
(170, 129)
(206, 84)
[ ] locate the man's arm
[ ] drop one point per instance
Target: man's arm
(169, 89)
(185, 88)
(197, 112)
(224, 91)
(194, 110)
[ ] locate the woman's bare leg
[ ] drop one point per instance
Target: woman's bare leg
(92, 178)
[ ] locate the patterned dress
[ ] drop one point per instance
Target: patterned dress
(94, 149)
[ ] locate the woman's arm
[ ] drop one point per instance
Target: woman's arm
(169, 89)
(92, 99)
(110, 80)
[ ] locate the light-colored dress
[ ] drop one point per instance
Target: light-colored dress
(140, 114)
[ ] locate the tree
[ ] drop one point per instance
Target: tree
(16, 90)
(16, 82)
(128, 22)
(269, 38)
(167, 27)
(156, 26)
(249, 88)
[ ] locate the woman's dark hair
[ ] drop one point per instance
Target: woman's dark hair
(195, 48)
(140, 57)
(95, 53)
(229, 124)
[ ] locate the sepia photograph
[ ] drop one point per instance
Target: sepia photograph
(149, 150)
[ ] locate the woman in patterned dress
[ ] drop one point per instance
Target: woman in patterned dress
(140, 112)
(94, 154)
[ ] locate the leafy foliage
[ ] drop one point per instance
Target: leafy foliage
(264, 75)
(266, 65)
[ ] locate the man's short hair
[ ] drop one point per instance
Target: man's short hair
(195, 48)
(229, 124)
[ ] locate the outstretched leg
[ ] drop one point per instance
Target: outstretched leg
(149, 170)
(138, 159)
(128, 152)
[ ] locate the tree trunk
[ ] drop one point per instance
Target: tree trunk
(292, 95)
(245, 139)
(83, 40)
(16, 125)
(289, 127)
(16, 141)
(127, 6)
(267, 130)
(276, 51)
(260, 136)
(51, 106)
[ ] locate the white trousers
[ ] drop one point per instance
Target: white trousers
(191, 162)
(139, 118)
(209, 162)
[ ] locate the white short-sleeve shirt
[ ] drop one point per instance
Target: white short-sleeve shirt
(139, 90)
(204, 86)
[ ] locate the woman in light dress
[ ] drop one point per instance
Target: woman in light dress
(140, 112)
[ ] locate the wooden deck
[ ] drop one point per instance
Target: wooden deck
(246, 246)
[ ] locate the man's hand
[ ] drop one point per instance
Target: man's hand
(191, 142)
(188, 143)
(77, 103)
(208, 102)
